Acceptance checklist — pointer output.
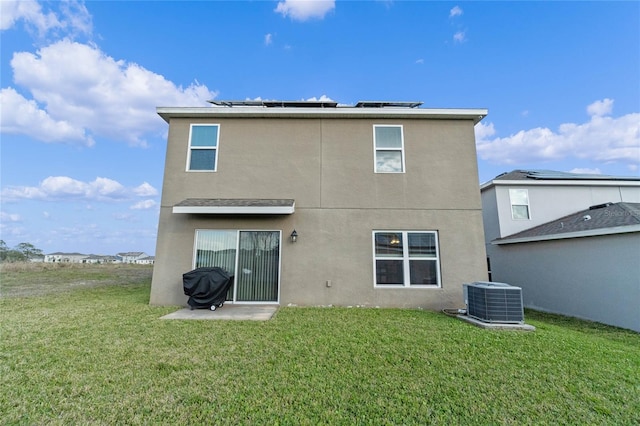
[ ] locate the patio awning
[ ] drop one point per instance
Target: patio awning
(235, 206)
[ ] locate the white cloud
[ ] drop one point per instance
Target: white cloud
(268, 39)
(145, 190)
(301, 10)
(23, 116)
(125, 217)
(455, 11)
(483, 131)
(65, 188)
(10, 217)
(144, 205)
(28, 11)
(601, 139)
(595, 171)
(98, 96)
(420, 61)
(73, 17)
(460, 37)
(12, 231)
(600, 108)
(323, 98)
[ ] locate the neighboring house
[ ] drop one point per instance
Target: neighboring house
(132, 256)
(65, 257)
(101, 259)
(149, 260)
(92, 258)
(570, 241)
(381, 197)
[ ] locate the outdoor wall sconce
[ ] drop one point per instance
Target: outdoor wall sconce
(294, 236)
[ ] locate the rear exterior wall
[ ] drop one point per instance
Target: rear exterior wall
(327, 166)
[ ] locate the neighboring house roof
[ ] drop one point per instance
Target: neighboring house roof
(548, 177)
(235, 206)
(58, 253)
(602, 219)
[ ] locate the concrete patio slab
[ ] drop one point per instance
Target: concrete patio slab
(228, 312)
(496, 326)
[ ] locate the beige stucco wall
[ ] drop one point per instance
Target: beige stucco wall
(327, 166)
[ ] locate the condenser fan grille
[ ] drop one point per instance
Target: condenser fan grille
(494, 302)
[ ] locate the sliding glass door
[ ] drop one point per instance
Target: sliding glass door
(253, 257)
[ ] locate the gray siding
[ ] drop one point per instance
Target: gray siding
(594, 278)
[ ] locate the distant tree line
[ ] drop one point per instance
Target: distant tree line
(20, 253)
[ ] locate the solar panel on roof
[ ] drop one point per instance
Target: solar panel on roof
(556, 175)
(315, 104)
(384, 104)
(277, 104)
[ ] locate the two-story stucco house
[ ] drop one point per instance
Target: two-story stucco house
(570, 241)
(312, 203)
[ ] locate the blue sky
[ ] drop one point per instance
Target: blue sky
(82, 148)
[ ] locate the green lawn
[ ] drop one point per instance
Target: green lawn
(101, 355)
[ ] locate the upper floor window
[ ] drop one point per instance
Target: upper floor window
(389, 149)
(203, 147)
(519, 203)
(406, 258)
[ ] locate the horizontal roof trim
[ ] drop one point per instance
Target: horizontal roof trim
(234, 206)
(567, 235)
(551, 177)
(523, 183)
(474, 114)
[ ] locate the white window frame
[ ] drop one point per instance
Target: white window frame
(215, 148)
(376, 149)
(406, 259)
(512, 204)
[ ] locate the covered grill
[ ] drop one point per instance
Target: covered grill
(206, 287)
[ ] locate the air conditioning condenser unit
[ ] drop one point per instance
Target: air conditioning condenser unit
(494, 302)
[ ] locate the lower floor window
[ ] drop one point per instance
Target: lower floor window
(406, 258)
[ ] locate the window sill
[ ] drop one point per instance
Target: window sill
(403, 287)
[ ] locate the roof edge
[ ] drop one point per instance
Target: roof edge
(600, 182)
(569, 235)
(475, 114)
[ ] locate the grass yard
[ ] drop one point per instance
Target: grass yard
(98, 354)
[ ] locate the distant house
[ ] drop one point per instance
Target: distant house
(101, 259)
(65, 257)
(570, 241)
(314, 203)
(132, 256)
(149, 260)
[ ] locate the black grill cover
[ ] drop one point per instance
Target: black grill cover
(206, 287)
